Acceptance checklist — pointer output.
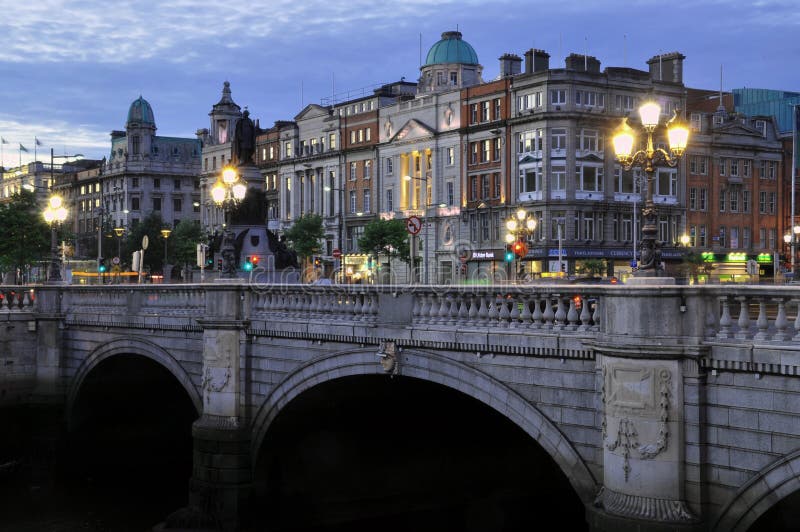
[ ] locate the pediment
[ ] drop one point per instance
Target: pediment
(530, 159)
(312, 110)
(413, 129)
(737, 128)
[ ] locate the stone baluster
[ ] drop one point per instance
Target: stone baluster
(455, 305)
(444, 309)
(494, 311)
(549, 314)
(373, 308)
(416, 308)
(744, 319)
(796, 320)
(483, 311)
(596, 313)
(572, 314)
(536, 317)
(781, 323)
(504, 314)
(463, 310)
(472, 315)
(433, 310)
(586, 316)
(762, 322)
(424, 307)
(561, 313)
(725, 320)
(525, 315)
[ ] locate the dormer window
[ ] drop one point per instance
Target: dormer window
(719, 120)
(761, 126)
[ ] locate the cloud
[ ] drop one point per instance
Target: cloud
(82, 138)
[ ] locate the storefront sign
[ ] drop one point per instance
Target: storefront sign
(483, 255)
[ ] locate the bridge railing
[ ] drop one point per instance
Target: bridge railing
(17, 298)
(754, 313)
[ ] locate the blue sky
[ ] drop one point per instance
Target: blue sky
(70, 69)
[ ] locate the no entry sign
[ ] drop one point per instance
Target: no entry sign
(413, 224)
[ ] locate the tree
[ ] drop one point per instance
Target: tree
(185, 237)
(694, 263)
(305, 236)
(151, 225)
(386, 237)
(25, 238)
(592, 267)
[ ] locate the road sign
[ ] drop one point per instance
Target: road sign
(337, 253)
(145, 242)
(115, 260)
(413, 224)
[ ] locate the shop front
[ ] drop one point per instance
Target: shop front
(485, 266)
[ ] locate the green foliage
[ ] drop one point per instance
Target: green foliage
(185, 237)
(386, 237)
(25, 237)
(151, 225)
(694, 264)
(592, 267)
(306, 235)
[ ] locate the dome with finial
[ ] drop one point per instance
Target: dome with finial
(451, 49)
(140, 114)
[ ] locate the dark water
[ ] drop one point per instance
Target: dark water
(361, 453)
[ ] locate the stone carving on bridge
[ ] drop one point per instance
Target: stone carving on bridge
(215, 379)
(217, 371)
(636, 392)
(387, 352)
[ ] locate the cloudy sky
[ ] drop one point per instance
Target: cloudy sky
(70, 69)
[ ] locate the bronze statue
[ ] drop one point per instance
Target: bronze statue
(244, 140)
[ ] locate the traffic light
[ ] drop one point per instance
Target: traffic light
(318, 262)
(101, 265)
(248, 265)
(254, 259)
(520, 248)
(509, 256)
(219, 264)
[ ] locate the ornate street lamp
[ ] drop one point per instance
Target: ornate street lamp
(119, 231)
(54, 213)
(521, 226)
(647, 159)
(165, 235)
(227, 193)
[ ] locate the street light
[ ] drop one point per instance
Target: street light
(227, 193)
(647, 159)
(53, 214)
(165, 235)
(521, 226)
(119, 231)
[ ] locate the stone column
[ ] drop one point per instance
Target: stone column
(49, 388)
(221, 478)
(647, 335)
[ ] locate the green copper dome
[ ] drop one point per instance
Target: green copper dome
(141, 113)
(452, 49)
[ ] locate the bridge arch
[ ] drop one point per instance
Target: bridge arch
(132, 346)
(433, 368)
(761, 493)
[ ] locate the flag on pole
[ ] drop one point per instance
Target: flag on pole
(23, 148)
(3, 141)
(37, 141)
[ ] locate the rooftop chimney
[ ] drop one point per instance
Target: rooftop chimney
(536, 61)
(667, 67)
(510, 65)
(583, 63)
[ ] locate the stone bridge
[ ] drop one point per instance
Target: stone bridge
(665, 407)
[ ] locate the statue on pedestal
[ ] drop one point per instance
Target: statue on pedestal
(244, 140)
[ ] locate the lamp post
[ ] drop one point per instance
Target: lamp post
(119, 231)
(165, 235)
(328, 188)
(521, 226)
(53, 214)
(647, 159)
(227, 192)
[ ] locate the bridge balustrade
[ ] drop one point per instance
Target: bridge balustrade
(16, 298)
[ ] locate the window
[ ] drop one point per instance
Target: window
(703, 200)
(530, 141)
(693, 199)
(703, 239)
(484, 226)
(332, 141)
(722, 237)
(136, 142)
(558, 139)
(773, 238)
(156, 204)
(733, 200)
(450, 193)
(771, 206)
(195, 206)
(695, 121)
(474, 153)
(352, 202)
(367, 170)
(389, 200)
(451, 156)
(746, 237)
(530, 179)
(134, 204)
(588, 177)
(588, 139)
(368, 134)
(487, 151)
(367, 200)
(745, 201)
(177, 184)
(746, 164)
(473, 187)
(287, 148)
(762, 237)
(722, 196)
(734, 238)
(559, 177)
(557, 225)
(496, 154)
(762, 202)
(454, 78)
(353, 167)
(761, 126)
(723, 166)
(485, 186)
(156, 183)
(473, 113)
(558, 96)
(360, 135)
(497, 109)
(771, 168)
(177, 204)
(497, 185)
(134, 183)
(734, 167)
(485, 107)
